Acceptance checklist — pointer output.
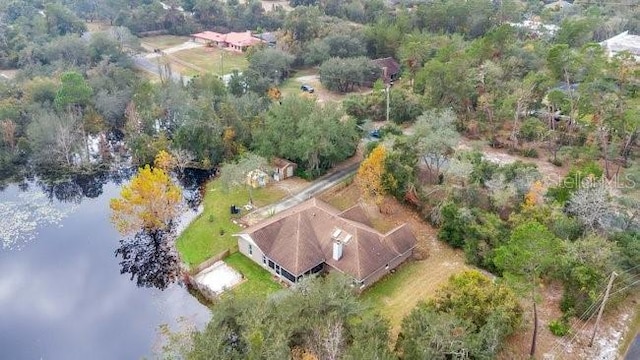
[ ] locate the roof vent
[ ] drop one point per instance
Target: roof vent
(337, 250)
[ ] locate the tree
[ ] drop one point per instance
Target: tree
(150, 257)
(371, 172)
(470, 317)
(320, 318)
(435, 137)
(270, 64)
(428, 334)
(313, 135)
(53, 138)
(587, 264)
(343, 75)
(235, 173)
(73, 91)
(472, 295)
(591, 205)
(532, 250)
(61, 21)
(150, 202)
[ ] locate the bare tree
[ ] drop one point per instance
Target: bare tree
(591, 205)
(182, 158)
(8, 128)
(327, 341)
(435, 137)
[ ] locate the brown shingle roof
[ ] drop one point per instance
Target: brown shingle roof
(390, 63)
(356, 213)
(301, 237)
(282, 163)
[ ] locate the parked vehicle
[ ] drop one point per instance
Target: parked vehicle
(307, 88)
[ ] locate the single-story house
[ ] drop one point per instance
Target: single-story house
(622, 42)
(313, 237)
(390, 69)
(235, 41)
(283, 168)
(210, 38)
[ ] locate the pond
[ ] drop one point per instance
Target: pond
(61, 292)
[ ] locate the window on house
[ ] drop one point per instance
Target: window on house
(251, 251)
(272, 264)
(264, 259)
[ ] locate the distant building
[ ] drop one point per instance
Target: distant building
(623, 42)
(558, 5)
(234, 41)
(313, 237)
(536, 27)
(390, 69)
(267, 37)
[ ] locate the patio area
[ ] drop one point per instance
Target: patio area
(216, 279)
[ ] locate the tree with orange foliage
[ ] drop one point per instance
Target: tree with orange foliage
(370, 174)
(144, 214)
(534, 196)
(151, 201)
(164, 161)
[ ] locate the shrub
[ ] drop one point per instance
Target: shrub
(531, 129)
(559, 327)
(529, 152)
(391, 128)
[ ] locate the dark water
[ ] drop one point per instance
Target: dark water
(61, 292)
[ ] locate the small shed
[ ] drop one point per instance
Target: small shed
(390, 69)
(283, 168)
(257, 178)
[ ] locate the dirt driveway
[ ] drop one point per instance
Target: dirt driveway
(321, 93)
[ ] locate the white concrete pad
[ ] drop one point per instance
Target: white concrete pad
(218, 277)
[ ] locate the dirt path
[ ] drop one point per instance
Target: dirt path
(184, 46)
(551, 174)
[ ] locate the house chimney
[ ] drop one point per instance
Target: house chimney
(385, 73)
(337, 250)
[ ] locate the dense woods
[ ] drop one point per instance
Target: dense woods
(78, 103)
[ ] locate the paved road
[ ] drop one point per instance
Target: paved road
(317, 187)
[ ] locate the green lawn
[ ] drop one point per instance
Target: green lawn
(164, 41)
(258, 281)
(211, 232)
(212, 59)
(395, 295)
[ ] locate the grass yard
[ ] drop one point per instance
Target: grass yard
(209, 59)
(164, 41)
(414, 281)
(395, 295)
(258, 280)
(211, 232)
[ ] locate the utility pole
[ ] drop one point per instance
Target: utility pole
(221, 63)
(604, 300)
(387, 91)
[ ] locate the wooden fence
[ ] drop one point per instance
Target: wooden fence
(210, 262)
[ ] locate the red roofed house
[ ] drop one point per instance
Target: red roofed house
(235, 41)
(313, 237)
